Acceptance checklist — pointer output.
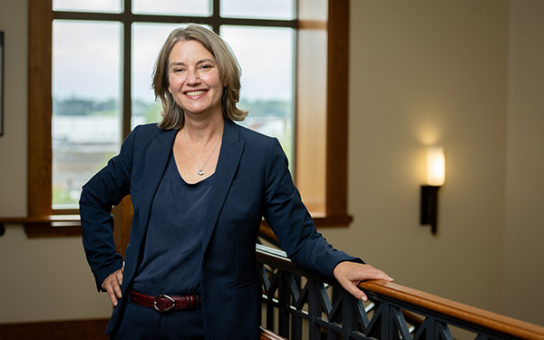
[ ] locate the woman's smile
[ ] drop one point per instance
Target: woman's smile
(194, 79)
(195, 93)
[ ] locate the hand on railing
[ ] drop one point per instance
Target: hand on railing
(350, 274)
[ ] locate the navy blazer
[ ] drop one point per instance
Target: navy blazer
(252, 181)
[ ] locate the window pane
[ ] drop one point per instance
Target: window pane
(86, 127)
(266, 56)
(105, 6)
(173, 7)
(259, 9)
(146, 44)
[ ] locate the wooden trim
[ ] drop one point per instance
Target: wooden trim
(47, 225)
(323, 176)
(337, 108)
(51, 230)
(73, 219)
(40, 106)
(493, 321)
(312, 24)
(122, 219)
(78, 329)
(56, 330)
(311, 107)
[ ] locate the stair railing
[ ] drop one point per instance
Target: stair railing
(297, 305)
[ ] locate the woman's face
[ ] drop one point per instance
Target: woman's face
(194, 80)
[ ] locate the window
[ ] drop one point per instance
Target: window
(320, 146)
(96, 47)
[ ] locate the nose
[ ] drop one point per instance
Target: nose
(192, 77)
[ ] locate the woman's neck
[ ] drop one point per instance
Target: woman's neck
(203, 130)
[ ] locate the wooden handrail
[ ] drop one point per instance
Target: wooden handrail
(422, 301)
(268, 335)
(497, 322)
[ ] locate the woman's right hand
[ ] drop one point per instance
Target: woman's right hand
(112, 284)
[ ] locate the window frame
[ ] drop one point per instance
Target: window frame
(43, 221)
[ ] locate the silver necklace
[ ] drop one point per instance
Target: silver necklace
(200, 171)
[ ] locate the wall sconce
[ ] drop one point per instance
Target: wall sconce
(436, 176)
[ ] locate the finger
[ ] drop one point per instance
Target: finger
(117, 286)
(112, 284)
(113, 298)
(363, 297)
(353, 289)
(111, 291)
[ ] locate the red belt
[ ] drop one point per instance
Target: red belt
(164, 303)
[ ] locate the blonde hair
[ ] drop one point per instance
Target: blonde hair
(229, 72)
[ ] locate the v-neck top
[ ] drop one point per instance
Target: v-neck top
(173, 245)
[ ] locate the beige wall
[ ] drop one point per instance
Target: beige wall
(524, 232)
(421, 73)
(427, 72)
(43, 279)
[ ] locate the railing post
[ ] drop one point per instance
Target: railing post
(296, 320)
(314, 310)
(284, 302)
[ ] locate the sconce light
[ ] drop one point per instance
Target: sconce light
(436, 176)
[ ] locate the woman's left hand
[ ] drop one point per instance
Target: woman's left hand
(350, 274)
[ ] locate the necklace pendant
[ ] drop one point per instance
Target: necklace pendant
(200, 172)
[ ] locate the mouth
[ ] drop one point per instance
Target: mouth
(195, 93)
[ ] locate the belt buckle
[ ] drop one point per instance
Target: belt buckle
(163, 310)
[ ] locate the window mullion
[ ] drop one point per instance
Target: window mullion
(127, 78)
(216, 16)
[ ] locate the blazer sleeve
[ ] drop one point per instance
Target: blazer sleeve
(291, 222)
(103, 191)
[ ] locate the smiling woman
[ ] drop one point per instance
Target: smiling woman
(199, 190)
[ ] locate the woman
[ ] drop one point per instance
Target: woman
(200, 186)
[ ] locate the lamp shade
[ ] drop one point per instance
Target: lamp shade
(436, 166)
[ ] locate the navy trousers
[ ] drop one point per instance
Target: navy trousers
(140, 322)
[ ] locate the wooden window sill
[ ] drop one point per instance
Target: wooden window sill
(47, 226)
(70, 225)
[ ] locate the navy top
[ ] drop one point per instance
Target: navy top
(173, 244)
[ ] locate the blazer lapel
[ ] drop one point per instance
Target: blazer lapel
(157, 156)
(156, 159)
(229, 158)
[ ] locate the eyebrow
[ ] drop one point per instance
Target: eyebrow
(180, 63)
